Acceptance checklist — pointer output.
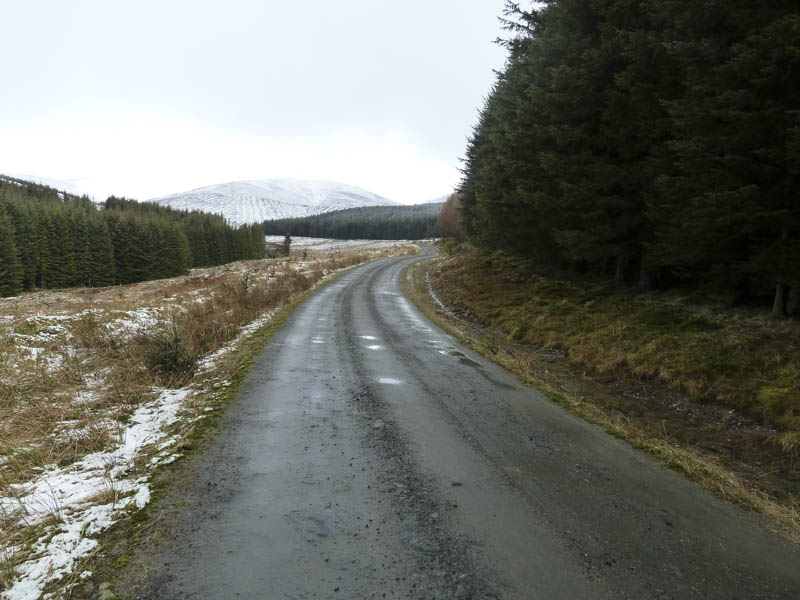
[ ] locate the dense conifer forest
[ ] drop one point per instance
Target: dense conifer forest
(414, 222)
(655, 141)
(50, 239)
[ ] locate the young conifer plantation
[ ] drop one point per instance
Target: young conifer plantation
(49, 239)
(655, 141)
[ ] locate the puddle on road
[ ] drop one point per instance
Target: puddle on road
(308, 523)
(462, 359)
(389, 381)
(317, 340)
(368, 337)
(375, 347)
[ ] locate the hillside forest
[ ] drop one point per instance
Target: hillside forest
(653, 141)
(413, 222)
(50, 239)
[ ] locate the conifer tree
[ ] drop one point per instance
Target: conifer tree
(79, 223)
(44, 260)
(101, 262)
(729, 218)
(62, 269)
(11, 272)
(24, 225)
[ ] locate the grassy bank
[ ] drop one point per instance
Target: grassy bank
(712, 391)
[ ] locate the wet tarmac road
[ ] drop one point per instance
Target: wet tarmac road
(369, 456)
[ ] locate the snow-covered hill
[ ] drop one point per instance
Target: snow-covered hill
(71, 186)
(256, 201)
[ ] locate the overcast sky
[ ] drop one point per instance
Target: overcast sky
(149, 98)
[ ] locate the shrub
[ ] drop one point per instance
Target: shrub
(169, 354)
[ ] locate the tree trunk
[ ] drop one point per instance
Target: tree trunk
(793, 303)
(779, 305)
(620, 274)
(647, 281)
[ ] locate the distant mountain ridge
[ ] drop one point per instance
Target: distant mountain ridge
(254, 201)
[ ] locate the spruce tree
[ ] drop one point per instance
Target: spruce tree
(101, 261)
(62, 267)
(729, 217)
(11, 272)
(79, 223)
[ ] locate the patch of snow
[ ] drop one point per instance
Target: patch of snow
(32, 350)
(330, 245)
(135, 322)
(142, 497)
(70, 496)
(210, 361)
(85, 397)
(58, 556)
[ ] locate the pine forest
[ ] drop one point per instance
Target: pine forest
(653, 141)
(50, 239)
(413, 222)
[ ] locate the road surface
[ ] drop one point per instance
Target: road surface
(370, 456)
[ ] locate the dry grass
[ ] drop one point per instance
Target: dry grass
(707, 390)
(76, 363)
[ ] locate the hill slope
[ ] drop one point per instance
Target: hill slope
(256, 201)
(70, 186)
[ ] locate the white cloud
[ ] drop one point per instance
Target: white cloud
(149, 98)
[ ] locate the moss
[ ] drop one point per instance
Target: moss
(783, 395)
(123, 560)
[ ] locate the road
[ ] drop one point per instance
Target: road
(368, 455)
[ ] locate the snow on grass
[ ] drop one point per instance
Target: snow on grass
(33, 351)
(329, 245)
(83, 499)
(210, 361)
(61, 553)
(135, 322)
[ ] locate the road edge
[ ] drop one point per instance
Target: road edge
(708, 476)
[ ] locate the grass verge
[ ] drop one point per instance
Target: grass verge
(701, 387)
